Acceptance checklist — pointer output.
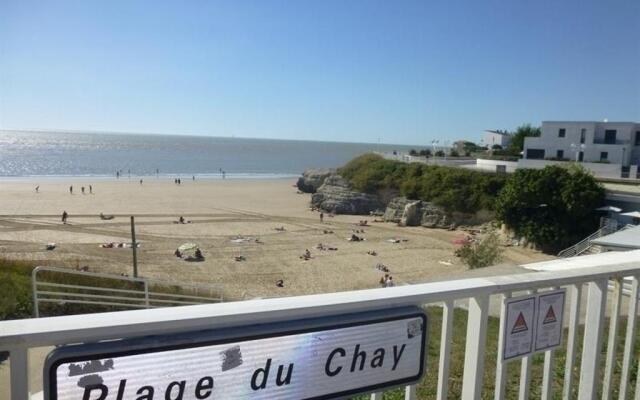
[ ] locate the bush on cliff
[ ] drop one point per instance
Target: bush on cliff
(454, 189)
(553, 207)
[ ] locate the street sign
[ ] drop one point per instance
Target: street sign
(518, 327)
(322, 358)
(550, 306)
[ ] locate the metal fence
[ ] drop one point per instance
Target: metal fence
(595, 373)
(51, 285)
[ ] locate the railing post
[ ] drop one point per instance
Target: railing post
(475, 347)
(501, 367)
(445, 350)
(19, 370)
(525, 371)
(572, 342)
(146, 293)
(34, 290)
(376, 396)
(612, 340)
(629, 343)
(410, 392)
(594, 320)
(547, 372)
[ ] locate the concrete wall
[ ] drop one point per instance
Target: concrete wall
(491, 165)
(611, 171)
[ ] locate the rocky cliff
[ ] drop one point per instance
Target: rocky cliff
(336, 195)
(312, 179)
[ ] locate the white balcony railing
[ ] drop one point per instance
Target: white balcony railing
(19, 336)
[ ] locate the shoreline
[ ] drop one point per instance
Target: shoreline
(260, 177)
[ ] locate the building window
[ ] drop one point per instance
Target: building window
(562, 132)
(583, 135)
(560, 154)
(535, 154)
(610, 136)
(604, 155)
(637, 138)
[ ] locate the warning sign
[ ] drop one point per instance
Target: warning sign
(549, 321)
(518, 327)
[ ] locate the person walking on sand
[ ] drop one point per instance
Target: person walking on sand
(82, 189)
(64, 217)
(141, 181)
(71, 189)
(321, 217)
(37, 189)
(90, 190)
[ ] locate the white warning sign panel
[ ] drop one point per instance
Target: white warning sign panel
(550, 307)
(518, 327)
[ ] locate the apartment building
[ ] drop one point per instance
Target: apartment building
(588, 142)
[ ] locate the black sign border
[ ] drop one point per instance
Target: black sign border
(158, 343)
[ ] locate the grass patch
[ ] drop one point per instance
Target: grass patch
(16, 300)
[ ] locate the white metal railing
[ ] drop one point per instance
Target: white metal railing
(585, 243)
(133, 293)
(17, 337)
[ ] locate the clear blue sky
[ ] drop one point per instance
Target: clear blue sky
(347, 70)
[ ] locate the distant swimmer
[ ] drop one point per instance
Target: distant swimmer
(64, 217)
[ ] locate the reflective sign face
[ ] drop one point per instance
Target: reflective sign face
(313, 359)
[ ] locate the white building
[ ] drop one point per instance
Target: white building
(606, 142)
(492, 138)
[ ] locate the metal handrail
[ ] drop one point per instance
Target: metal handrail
(135, 298)
(584, 244)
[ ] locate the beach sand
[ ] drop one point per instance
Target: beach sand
(220, 210)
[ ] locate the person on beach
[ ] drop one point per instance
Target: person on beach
(64, 217)
(141, 181)
(90, 189)
(82, 189)
(193, 177)
(321, 217)
(37, 189)
(71, 189)
(224, 174)
(117, 174)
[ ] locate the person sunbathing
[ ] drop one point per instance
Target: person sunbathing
(105, 217)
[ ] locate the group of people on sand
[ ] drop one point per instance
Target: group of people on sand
(387, 281)
(82, 189)
(197, 255)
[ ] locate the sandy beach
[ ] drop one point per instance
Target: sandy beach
(219, 212)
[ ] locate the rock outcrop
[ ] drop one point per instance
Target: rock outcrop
(336, 195)
(312, 179)
(407, 212)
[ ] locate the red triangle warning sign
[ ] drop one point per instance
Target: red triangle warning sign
(550, 318)
(520, 325)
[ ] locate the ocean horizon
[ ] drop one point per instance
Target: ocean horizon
(63, 154)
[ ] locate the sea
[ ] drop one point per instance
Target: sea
(88, 154)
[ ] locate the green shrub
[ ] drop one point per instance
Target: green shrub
(481, 254)
(552, 207)
(454, 189)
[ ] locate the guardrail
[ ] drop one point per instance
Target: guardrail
(585, 243)
(17, 337)
(132, 293)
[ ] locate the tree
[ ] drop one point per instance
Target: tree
(496, 147)
(425, 153)
(413, 152)
(454, 153)
(439, 153)
(517, 141)
(553, 208)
